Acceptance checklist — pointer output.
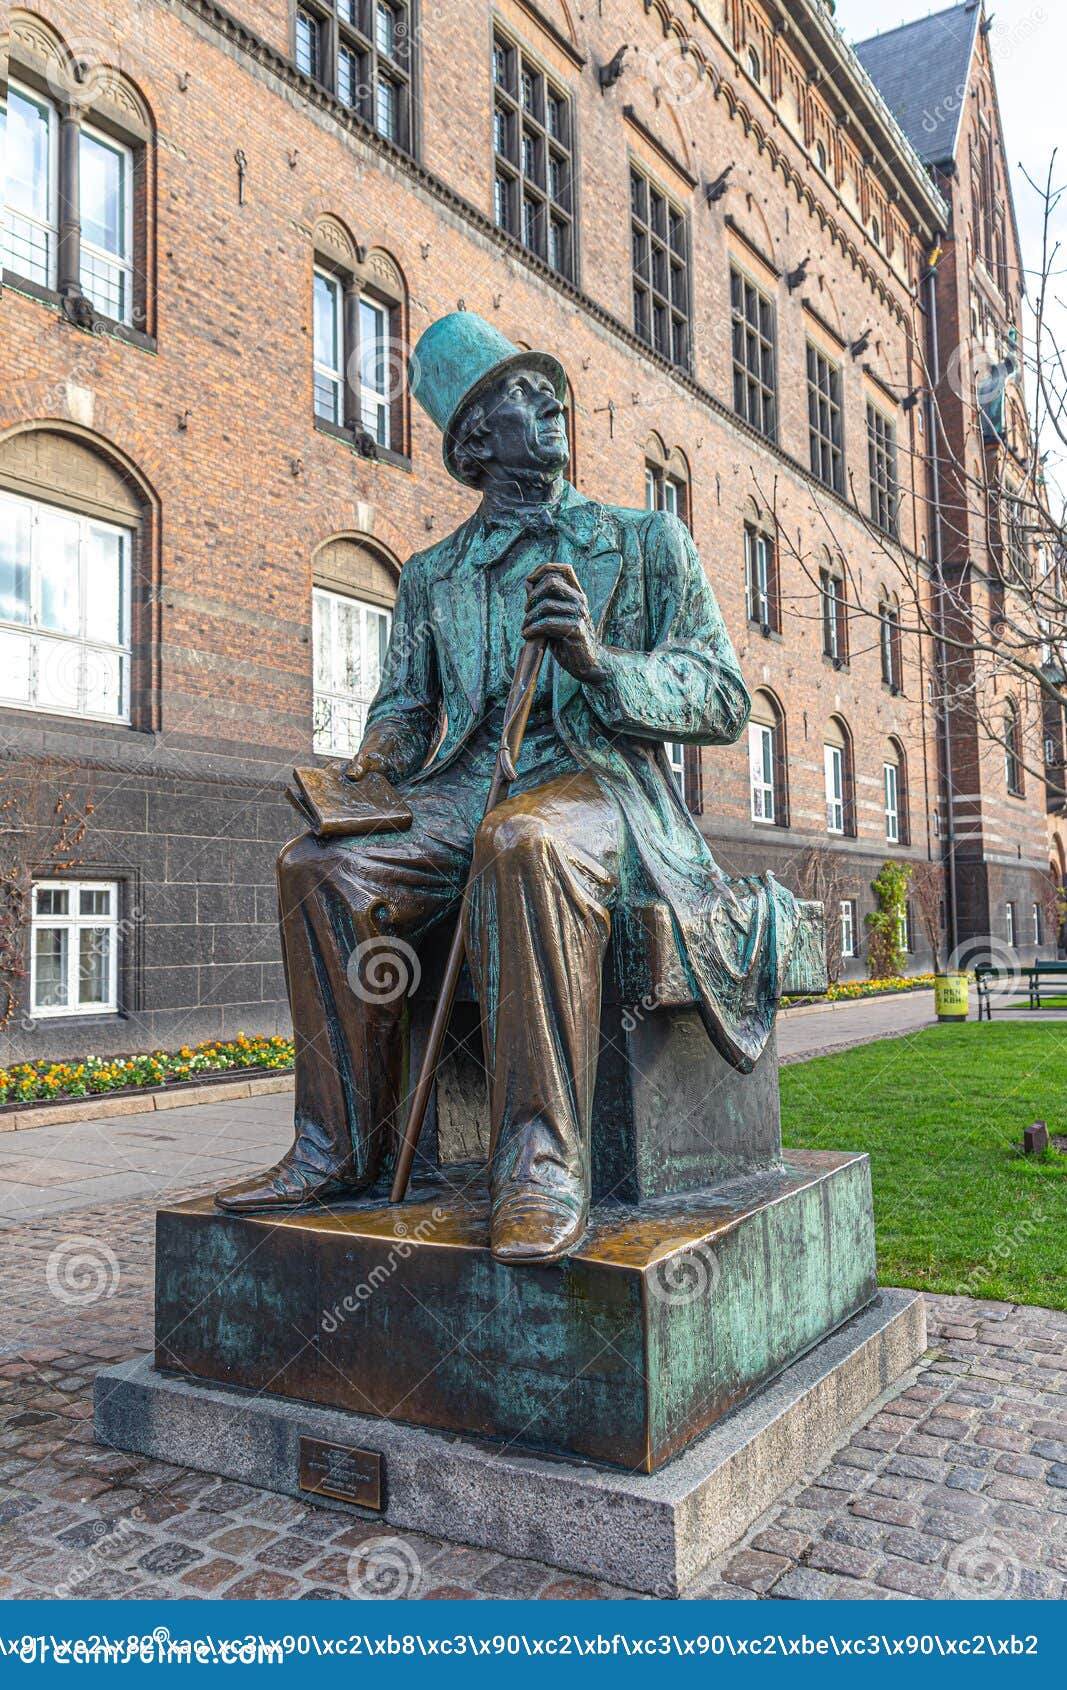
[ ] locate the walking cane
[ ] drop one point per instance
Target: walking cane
(516, 716)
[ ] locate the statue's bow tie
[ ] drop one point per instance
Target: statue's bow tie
(535, 519)
(578, 525)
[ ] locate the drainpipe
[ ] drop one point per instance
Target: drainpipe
(933, 425)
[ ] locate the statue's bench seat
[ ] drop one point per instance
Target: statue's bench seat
(669, 1114)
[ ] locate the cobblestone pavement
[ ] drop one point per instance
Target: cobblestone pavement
(955, 1486)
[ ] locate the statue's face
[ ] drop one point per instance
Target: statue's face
(524, 424)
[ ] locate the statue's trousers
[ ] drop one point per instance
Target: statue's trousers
(354, 914)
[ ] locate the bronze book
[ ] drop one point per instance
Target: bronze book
(336, 808)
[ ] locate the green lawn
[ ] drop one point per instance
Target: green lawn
(958, 1208)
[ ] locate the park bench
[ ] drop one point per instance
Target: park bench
(1048, 972)
(987, 978)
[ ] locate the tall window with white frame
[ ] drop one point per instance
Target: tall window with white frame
(64, 611)
(1009, 923)
(659, 247)
(834, 773)
(329, 349)
(30, 231)
(533, 146)
(363, 52)
(676, 759)
(350, 640)
(847, 919)
(74, 948)
(353, 387)
(891, 787)
(105, 175)
(761, 764)
(100, 193)
(1038, 925)
(754, 338)
(761, 580)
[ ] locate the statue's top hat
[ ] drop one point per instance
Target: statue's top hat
(455, 361)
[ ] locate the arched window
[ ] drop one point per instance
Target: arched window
(834, 609)
(820, 156)
(1013, 749)
(876, 233)
(76, 549)
(353, 591)
(666, 479)
(755, 68)
(839, 778)
(768, 793)
(895, 793)
(77, 190)
(889, 641)
(358, 342)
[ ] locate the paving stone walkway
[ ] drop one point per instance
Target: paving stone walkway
(956, 1486)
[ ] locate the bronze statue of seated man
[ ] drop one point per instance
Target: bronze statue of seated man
(637, 655)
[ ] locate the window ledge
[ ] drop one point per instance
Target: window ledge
(78, 1018)
(839, 665)
(349, 437)
(765, 631)
(105, 326)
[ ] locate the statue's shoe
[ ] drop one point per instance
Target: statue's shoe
(533, 1227)
(290, 1185)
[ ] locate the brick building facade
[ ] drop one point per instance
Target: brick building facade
(225, 227)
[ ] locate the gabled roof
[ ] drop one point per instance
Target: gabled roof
(921, 71)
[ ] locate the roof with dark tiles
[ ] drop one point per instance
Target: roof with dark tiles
(921, 69)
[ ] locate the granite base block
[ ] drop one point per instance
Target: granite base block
(651, 1532)
(664, 1319)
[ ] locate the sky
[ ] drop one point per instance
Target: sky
(1029, 47)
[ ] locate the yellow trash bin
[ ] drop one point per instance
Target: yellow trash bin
(951, 997)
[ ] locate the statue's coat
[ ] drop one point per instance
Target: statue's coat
(672, 674)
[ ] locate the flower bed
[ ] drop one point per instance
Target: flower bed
(848, 991)
(30, 1082)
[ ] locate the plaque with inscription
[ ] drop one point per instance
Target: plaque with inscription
(338, 1470)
